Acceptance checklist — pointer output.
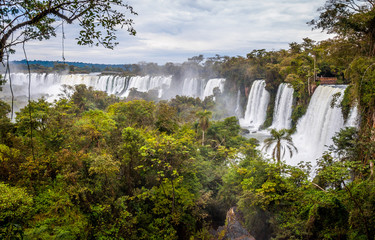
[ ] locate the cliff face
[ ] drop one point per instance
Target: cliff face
(233, 229)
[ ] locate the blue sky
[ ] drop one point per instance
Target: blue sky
(174, 30)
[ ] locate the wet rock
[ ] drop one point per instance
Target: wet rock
(233, 229)
(245, 131)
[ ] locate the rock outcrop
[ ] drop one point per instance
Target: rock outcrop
(233, 229)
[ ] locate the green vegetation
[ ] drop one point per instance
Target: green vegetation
(93, 166)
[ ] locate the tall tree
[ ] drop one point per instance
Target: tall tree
(22, 21)
(204, 121)
(351, 19)
(281, 140)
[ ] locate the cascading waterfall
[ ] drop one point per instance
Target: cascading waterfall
(147, 83)
(353, 118)
(112, 84)
(42, 85)
(192, 87)
(256, 108)
(140, 83)
(49, 85)
(161, 83)
(238, 110)
(211, 85)
(283, 107)
(317, 127)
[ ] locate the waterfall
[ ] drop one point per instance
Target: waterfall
(353, 118)
(256, 108)
(238, 110)
(49, 85)
(283, 107)
(147, 83)
(317, 127)
(112, 84)
(211, 85)
(138, 82)
(42, 84)
(192, 87)
(163, 83)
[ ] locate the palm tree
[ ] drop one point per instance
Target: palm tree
(282, 141)
(204, 121)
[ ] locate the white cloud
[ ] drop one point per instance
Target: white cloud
(173, 30)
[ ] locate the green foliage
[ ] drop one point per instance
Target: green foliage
(88, 99)
(166, 118)
(187, 107)
(15, 210)
(204, 121)
(94, 128)
(350, 19)
(39, 117)
(56, 216)
(297, 113)
(4, 109)
(346, 144)
(9, 163)
(137, 113)
(347, 102)
(362, 73)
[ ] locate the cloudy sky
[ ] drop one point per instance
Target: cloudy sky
(174, 30)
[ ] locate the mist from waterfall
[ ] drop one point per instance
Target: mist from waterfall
(192, 87)
(238, 110)
(256, 108)
(283, 107)
(50, 85)
(211, 85)
(147, 83)
(353, 118)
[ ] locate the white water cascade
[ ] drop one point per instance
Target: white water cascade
(49, 85)
(42, 85)
(211, 85)
(317, 127)
(256, 108)
(110, 84)
(238, 110)
(283, 107)
(353, 118)
(192, 87)
(147, 83)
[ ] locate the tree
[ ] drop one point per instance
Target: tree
(282, 141)
(136, 113)
(5, 124)
(351, 19)
(16, 206)
(22, 21)
(204, 121)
